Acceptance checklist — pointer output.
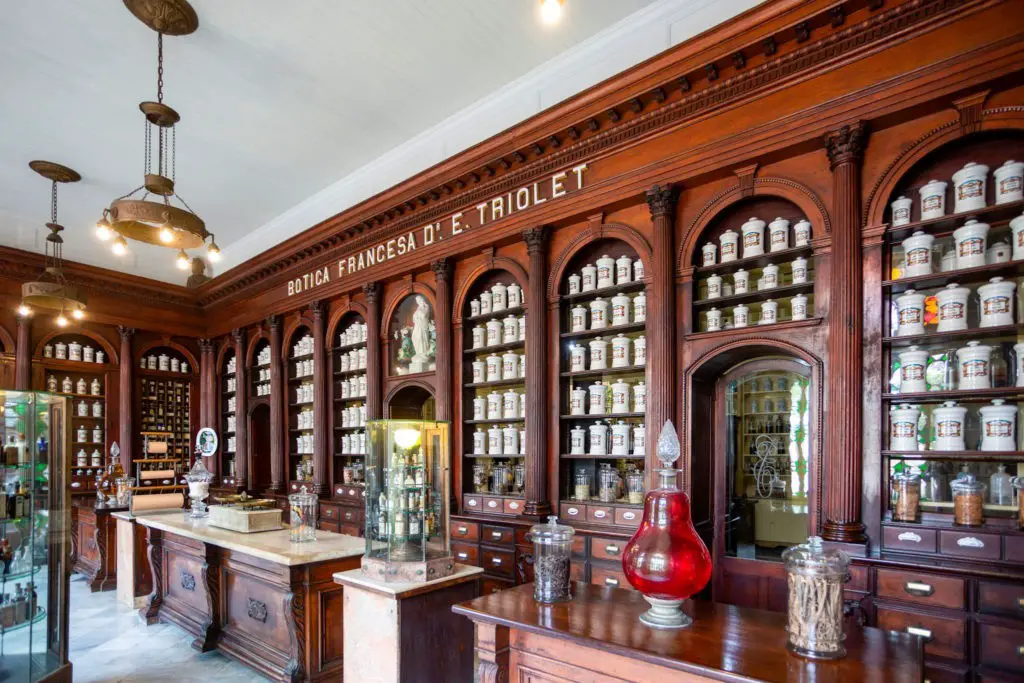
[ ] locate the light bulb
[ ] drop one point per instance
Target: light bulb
(24, 311)
(182, 261)
(166, 234)
(119, 247)
(62, 321)
(213, 252)
(103, 231)
(77, 314)
(407, 437)
(550, 11)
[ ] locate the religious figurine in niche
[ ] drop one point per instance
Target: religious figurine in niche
(198, 275)
(415, 337)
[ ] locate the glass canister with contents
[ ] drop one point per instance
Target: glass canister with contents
(552, 548)
(815, 576)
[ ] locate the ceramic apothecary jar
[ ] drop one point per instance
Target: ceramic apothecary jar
(1017, 229)
(910, 313)
(598, 314)
(577, 358)
(778, 235)
(998, 252)
(623, 270)
(969, 187)
(515, 296)
(620, 351)
(740, 316)
(589, 282)
(998, 426)
(769, 312)
(1009, 182)
(770, 276)
(578, 318)
(620, 397)
(598, 354)
(640, 308)
(933, 200)
(913, 367)
(598, 438)
(620, 309)
(574, 284)
(970, 244)
(499, 297)
(799, 268)
(598, 398)
(578, 401)
(1018, 354)
(917, 254)
(605, 271)
(640, 350)
(975, 366)
(709, 253)
(802, 233)
(715, 320)
(901, 208)
(714, 287)
(952, 303)
(997, 302)
(730, 240)
(577, 441)
(753, 237)
(949, 427)
(740, 282)
(903, 428)
(798, 306)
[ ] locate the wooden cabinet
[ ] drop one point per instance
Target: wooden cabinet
(921, 588)
(95, 555)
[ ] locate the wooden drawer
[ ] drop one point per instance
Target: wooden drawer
(351, 515)
(514, 506)
(628, 516)
(467, 531)
(607, 548)
(858, 578)
(465, 553)
(352, 494)
(327, 525)
(608, 576)
(1002, 648)
(496, 535)
(579, 545)
(521, 537)
(329, 513)
(922, 589)
(1014, 551)
(492, 506)
(574, 512)
(498, 562)
(915, 540)
(490, 585)
(970, 544)
(943, 636)
(600, 514)
(350, 529)
(473, 503)
(934, 674)
(1001, 598)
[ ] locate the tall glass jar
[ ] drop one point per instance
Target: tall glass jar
(303, 516)
(906, 488)
(968, 500)
(607, 483)
(552, 548)
(519, 477)
(635, 486)
(480, 476)
(499, 479)
(815, 612)
(581, 489)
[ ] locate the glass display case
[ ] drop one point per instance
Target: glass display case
(407, 494)
(35, 520)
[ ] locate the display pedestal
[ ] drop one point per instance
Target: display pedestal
(409, 627)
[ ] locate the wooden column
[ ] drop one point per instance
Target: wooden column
(443, 321)
(843, 428)
(374, 396)
(321, 442)
(241, 409)
(127, 392)
(277, 399)
(661, 321)
(208, 403)
(23, 355)
(537, 503)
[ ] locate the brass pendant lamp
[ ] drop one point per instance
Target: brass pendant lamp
(52, 291)
(146, 214)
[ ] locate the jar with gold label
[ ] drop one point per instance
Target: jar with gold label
(598, 403)
(620, 351)
(620, 397)
(753, 237)
(969, 187)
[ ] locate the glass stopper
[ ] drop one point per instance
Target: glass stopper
(668, 444)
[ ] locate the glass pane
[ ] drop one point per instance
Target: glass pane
(767, 463)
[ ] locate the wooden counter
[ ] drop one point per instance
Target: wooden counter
(258, 598)
(597, 636)
(94, 542)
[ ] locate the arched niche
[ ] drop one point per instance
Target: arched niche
(484, 276)
(257, 343)
(81, 335)
(171, 348)
(258, 360)
(588, 244)
(341, 319)
(411, 335)
(7, 342)
(296, 328)
(225, 351)
(411, 400)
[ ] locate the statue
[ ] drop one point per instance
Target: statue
(421, 321)
(415, 337)
(198, 276)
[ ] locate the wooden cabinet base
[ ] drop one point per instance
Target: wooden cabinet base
(95, 555)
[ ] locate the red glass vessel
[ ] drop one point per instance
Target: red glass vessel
(666, 560)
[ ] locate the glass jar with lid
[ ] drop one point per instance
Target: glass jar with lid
(552, 548)
(906, 489)
(480, 476)
(607, 483)
(815, 575)
(303, 516)
(635, 486)
(968, 500)
(581, 487)
(499, 479)
(519, 477)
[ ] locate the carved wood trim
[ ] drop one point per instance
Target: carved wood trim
(399, 382)
(619, 231)
(294, 322)
(395, 297)
(7, 342)
(149, 612)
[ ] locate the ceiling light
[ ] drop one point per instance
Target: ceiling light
(78, 314)
(119, 246)
(62, 321)
(182, 261)
(166, 235)
(103, 231)
(213, 251)
(24, 311)
(551, 11)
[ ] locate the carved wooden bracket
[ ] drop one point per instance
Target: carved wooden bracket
(745, 176)
(969, 108)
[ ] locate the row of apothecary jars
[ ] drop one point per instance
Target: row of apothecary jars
(969, 185)
(612, 485)
(74, 351)
(230, 384)
(67, 386)
(86, 409)
(230, 445)
(230, 423)
(752, 237)
(799, 309)
(624, 309)
(355, 333)
(995, 301)
(968, 493)
(263, 357)
(970, 249)
(304, 444)
(304, 393)
(622, 349)
(162, 362)
(908, 427)
(353, 416)
(354, 443)
(510, 405)
(353, 360)
(499, 298)
(303, 347)
(352, 474)
(231, 404)
(304, 368)
(83, 433)
(263, 389)
(603, 399)
(935, 479)
(607, 273)
(973, 368)
(83, 459)
(498, 440)
(600, 439)
(499, 478)
(495, 368)
(304, 419)
(232, 366)
(353, 387)
(771, 277)
(508, 330)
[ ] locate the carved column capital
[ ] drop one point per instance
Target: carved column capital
(207, 346)
(846, 145)
(274, 321)
(238, 334)
(372, 291)
(536, 239)
(442, 268)
(126, 332)
(661, 200)
(319, 309)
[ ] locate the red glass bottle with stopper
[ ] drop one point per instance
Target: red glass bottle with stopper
(666, 560)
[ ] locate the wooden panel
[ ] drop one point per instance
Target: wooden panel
(578, 570)
(473, 503)
(944, 636)
(628, 516)
(490, 585)
(498, 562)
(513, 506)
(917, 540)
(465, 553)
(607, 548)
(330, 513)
(351, 515)
(1001, 598)
(970, 544)
(436, 643)
(1014, 548)
(579, 545)
(496, 535)
(468, 531)
(350, 529)
(935, 674)
(600, 514)
(332, 631)
(1002, 648)
(183, 578)
(921, 588)
(574, 512)
(257, 609)
(602, 575)
(494, 506)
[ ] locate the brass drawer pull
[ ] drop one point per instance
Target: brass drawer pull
(495, 560)
(612, 549)
(496, 535)
(463, 530)
(924, 633)
(462, 556)
(611, 582)
(918, 589)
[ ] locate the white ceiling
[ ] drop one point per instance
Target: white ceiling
(291, 111)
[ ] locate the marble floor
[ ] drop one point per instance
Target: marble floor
(109, 644)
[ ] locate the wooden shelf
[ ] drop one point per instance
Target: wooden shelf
(496, 383)
(780, 292)
(955, 394)
(937, 338)
(349, 429)
(504, 313)
(349, 373)
(349, 399)
(305, 356)
(511, 346)
(635, 286)
(995, 216)
(954, 455)
(349, 347)
(494, 422)
(783, 256)
(964, 276)
(587, 456)
(605, 416)
(293, 380)
(165, 374)
(74, 395)
(72, 365)
(590, 374)
(488, 455)
(755, 329)
(350, 455)
(611, 329)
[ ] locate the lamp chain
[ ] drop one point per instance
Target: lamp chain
(160, 67)
(53, 202)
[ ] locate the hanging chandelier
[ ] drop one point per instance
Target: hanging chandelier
(147, 214)
(52, 291)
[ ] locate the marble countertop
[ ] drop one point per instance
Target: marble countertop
(273, 546)
(355, 579)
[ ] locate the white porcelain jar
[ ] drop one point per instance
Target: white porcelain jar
(1009, 182)
(510, 365)
(578, 318)
(510, 440)
(917, 254)
(97, 434)
(903, 428)
(164, 362)
(740, 282)
(638, 270)
(479, 442)
(620, 309)
(997, 302)
(948, 261)
(598, 314)
(770, 276)
(605, 271)
(494, 406)
(623, 270)
(82, 435)
(485, 302)
(100, 356)
(574, 284)
(640, 308)
(48, 351)
(998, 426)
(714, 319)
(598, 439)
(577, 358)
(620, 351)
(578, 401)
(598, 399)
(493, 332)
(75, 351)
(949, 427)
(515, 295)
(998, 252)
(97, 409)
(620, 438)
(492, 368)
(769, 312)
(640, 350)
(88, 354)
(909, 313)
(753, 237)
(83, 409)
(639, 439)
(975, 366)
(1018, 353)
(62, 351)
(802, 233)
(176, 366)
(952, 304)
(589, 273)
(901, 209)
(345, 363)
(499, 297)
(913, 367)
(620, 397)
(479, 334)
(494, 440)
(740, 316)
(798, 306)
(709, 253)
(933, 200)
(730, 240)
(577, 441)
(970, 244)
(509, 329)
(81, 387)
(598, 354)
(1017, 228)
(969, 187)
(778, 235)
(522, 441)
(714, 287)
(640, 397)
(799, 270)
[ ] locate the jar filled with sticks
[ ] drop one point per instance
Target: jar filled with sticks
(815, 575)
